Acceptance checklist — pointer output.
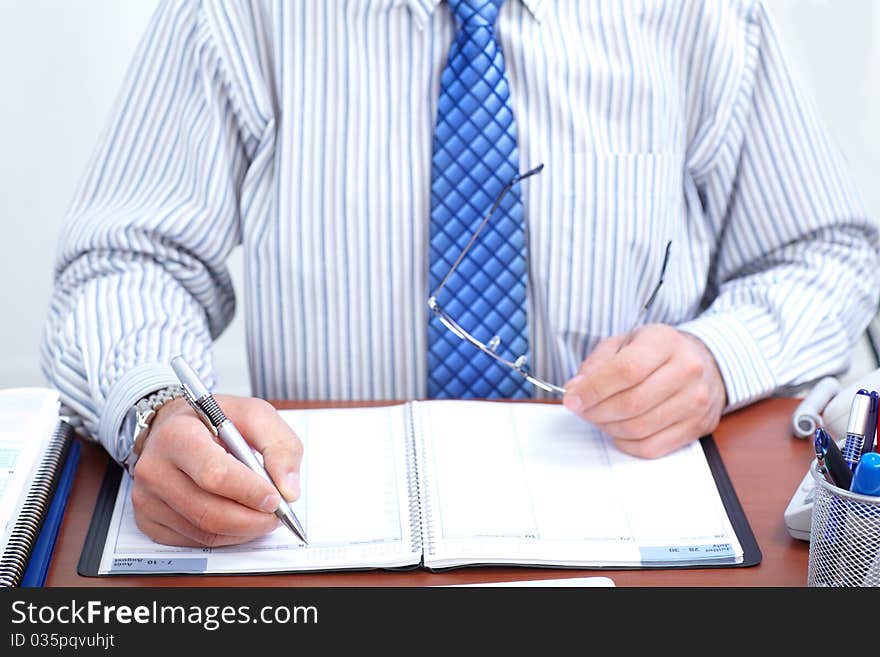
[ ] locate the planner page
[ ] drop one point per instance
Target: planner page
(530, 483)
(354, 506)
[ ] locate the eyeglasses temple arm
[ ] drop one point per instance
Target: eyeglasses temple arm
(644, 312)
(482, 225)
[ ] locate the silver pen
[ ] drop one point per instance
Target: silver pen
(206, 407)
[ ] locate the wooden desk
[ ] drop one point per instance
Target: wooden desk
(764, 461)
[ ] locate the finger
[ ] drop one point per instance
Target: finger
(660, 386)
(210, 512)
(163, 534)
(216, 471)
(165, 517)
(600, 354)
(660, 444)
(279, 445)
(625, 369)
(676, 409)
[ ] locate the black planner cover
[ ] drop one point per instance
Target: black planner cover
(738, 519)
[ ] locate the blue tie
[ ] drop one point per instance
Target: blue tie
(475, 157)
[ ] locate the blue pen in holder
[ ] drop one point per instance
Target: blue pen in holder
(844, 536)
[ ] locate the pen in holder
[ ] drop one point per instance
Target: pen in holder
(844, 536)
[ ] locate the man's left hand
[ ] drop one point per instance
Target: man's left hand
(660, 392)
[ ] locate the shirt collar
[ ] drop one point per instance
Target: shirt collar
(422, 9)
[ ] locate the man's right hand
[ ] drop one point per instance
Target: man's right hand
(188, 490)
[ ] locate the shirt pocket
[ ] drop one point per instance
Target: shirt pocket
(599, 251)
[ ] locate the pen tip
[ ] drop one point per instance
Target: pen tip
(290, 521)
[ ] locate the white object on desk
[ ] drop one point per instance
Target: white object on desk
(27, 417)
(836, 413)
(564, 581)
(807, 416)
(799, 512)
(32, 447)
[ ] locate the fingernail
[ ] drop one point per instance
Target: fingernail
(291, 484)
(573, 402)
(270, 503)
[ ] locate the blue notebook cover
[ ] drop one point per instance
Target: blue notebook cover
(41, 554)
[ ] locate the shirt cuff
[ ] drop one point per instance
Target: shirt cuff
(740, 356)
(125, 393)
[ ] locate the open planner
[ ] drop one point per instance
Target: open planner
(443, 484)
(36, 469)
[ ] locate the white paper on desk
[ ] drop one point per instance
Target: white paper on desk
(532, 483)
(566, 582)
(353, 506)
(465, 483)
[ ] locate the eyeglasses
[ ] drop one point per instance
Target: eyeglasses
(490, 348)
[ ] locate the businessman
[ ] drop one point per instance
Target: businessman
(352, 149)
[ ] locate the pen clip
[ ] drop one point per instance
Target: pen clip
(823, 470)
(821, 446)
(873, 417)
(820, 443)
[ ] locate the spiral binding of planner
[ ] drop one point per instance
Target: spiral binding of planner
(33, 510)
(412, 477)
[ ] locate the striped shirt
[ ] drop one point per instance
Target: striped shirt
(301, 131)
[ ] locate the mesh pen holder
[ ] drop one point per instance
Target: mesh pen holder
(844, 536)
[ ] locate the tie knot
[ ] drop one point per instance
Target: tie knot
(476, 12)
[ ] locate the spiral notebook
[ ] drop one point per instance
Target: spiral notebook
(445, 484)
(34, 448)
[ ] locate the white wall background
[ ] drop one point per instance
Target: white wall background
(61, 63)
